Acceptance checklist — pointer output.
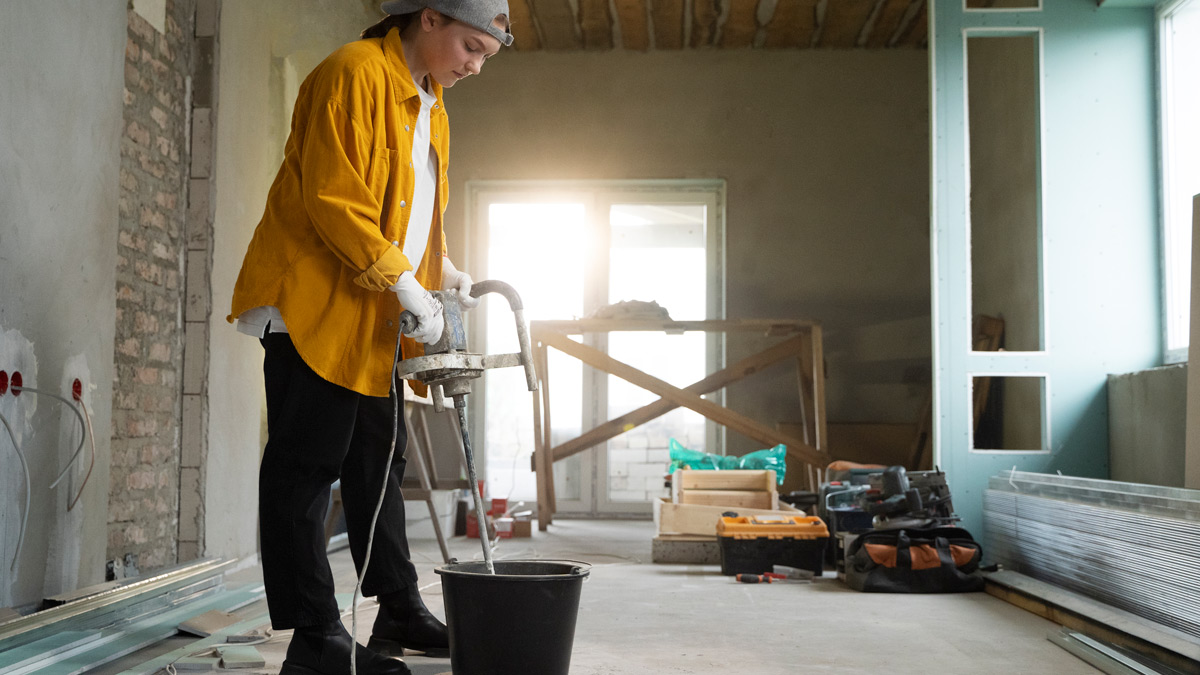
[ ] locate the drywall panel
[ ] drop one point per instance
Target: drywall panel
(1146, 426)
(60, 126)
(1099, 234)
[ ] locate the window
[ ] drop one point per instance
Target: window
(1179, 70)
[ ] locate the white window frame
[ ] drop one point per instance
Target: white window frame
(1171, 296)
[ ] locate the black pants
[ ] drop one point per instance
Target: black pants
(318, 432)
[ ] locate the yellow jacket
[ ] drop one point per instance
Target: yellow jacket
(330, 241)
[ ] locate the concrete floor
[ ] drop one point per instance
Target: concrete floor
(638, 617)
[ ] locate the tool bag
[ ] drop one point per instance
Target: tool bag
(934, 560)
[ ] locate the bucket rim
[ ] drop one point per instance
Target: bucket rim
(580, 570)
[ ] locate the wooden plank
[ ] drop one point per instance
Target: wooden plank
(843, 23)
(557, 22)
(631, 16)
(769, 327)
(1105, 622)
(736, 479)
(818, 376)
(524, 30)
(704, 22)
(718, 380)
(889, 20)
(547, 504)
(917, 32)
(595, 24)
(735, 421)
(750, 499)
(741, 25)
(667, 16)
(547, 428)
(422, 453)
(807, 390)
(698, 519)
(793, 25)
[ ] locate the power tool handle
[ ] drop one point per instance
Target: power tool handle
(518, 309)
(408, 322)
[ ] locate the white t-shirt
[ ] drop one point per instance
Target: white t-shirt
(425, 169)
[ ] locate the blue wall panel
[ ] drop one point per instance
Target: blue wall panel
(1099, 241)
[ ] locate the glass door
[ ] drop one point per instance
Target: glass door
(573, 251)
(656, 254)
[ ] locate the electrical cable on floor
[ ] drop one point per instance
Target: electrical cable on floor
(92, 442)
(74, 409)
(25, 516)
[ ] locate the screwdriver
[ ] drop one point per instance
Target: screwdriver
(755, 578)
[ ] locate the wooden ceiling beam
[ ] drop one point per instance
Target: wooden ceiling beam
(916, 34)
(741, 25)
(668, 23)
(631, 16)
(557, 22)
(792, 25)
(843, 23)
(595, 24)
(704, 22)
(524, 30)
(888, 21)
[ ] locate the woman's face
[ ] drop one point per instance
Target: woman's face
(454, 50)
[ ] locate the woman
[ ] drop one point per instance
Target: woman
(351, 236)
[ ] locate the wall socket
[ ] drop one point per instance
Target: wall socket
(117, 569)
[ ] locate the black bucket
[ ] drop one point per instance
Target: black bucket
(519, 620)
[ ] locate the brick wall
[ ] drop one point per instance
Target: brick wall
(144, 486)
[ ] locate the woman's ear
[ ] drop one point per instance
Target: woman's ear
(431, 18)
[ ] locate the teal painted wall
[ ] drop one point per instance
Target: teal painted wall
(1099, 253)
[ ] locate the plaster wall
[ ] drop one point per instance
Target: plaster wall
(60, 128)
(260, 43)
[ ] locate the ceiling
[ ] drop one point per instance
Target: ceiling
(647, 25)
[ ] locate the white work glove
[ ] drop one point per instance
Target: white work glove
(420, 302)
(460, 282)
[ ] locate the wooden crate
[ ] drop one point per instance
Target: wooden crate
(737, 479)
(701, 520)
(740, 488)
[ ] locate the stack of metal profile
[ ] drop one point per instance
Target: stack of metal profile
(107, 622)
(1132, 546)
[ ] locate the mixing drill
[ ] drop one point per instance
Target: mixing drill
(447, 368)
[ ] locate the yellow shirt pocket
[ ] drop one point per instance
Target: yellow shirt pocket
(379, 179)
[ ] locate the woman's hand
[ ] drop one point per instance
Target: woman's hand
(461, 282)
(423, 305)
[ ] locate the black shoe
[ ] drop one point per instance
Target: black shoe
(325, 650)
(404, 622)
